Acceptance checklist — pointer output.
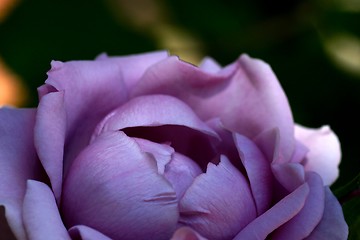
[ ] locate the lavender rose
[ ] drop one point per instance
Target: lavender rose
(150, 147)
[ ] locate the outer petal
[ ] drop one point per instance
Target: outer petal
(134, 66)
(246, 95)
(310, 215)
(332, 225)
(18, 162)
(40, 213)
(210, 65)
(175, 77)
(115, 187)
(325, 153)
(219, 203)
(186, 233)
(50, 129)
(279, 214)
(92, 89)
(81, 232)
(258, 171)
(268, 98)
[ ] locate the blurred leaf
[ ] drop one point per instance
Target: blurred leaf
(349, 196)
(351, 211)
(343, 191)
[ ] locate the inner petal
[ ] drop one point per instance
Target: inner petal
(163, 118)
(114, 187)
(181, 172)
(152, 110)
(189, 142)
(219, 203)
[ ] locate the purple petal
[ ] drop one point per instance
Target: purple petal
(93, 89)
(258, 171)
(5, 229)
(154, 110)
(310, 215)
(40, 213)
(45, 89)
(18, 162)
(164, 119)
(268, 142)
(49, 137)
(245, 95)
(114, 187)
(325, 153)
(177, 78)
(332, 224)
(289, 175)
(299, 153)
(219, 202)
(226, 146)
(181, 172)
(186, 233)
(82, 232)
(162, 153)
(210, 65)
(263, 92)
(279, 214)
(134, 66)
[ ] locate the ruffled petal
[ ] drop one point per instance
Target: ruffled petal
(310, 215)
(40, 213)
(219, 203)
(210, 65)
(114, 187)
(18, 162)
(183, 80)
(49, 137)
(246, 95)
(258, 171)
(332, 224)
(279, 214)
(325, 152)
(162, 153)
(93, 89)
(263, 92)
(81, 232)
(186, 233)
(134, 66)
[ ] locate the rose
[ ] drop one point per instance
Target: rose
(150, 147)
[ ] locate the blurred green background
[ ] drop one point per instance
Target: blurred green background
(312, 46)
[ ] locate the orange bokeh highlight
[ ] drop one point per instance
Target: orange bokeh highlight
(5, 7)
(12, 91)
